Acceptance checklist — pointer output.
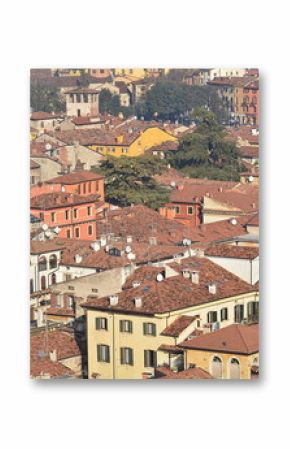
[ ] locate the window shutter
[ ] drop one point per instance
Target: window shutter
(122, 356)
(98, 353)
(107, 354)
(154, 358)
(146, 358)
(97, 323)
(144, 328)
(130, 326)
(121, 326)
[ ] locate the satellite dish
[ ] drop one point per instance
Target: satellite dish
(233, 221)
(128, 249)
(159, 277)
(48, 146)
(44, 227)
(251, 179)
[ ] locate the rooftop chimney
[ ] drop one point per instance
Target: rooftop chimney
(129, 239)
(114, 300)
(138, 302)
(78, 258)
(195, 277)
(212, 288)
(96, 245)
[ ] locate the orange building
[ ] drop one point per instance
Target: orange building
(83, 183)
(74, 215)
(184, 206)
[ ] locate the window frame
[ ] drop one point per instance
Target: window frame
(103, 323)
(146, 326)
(103, 353)
(122, 326)
(126, 356)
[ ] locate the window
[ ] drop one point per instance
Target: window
(52, 261)
(42, 124)
(31, 286)
(43, 283)
(84, 188)
(190, 210)
(53, 278)
(90, 209)
(150, 358)
(239, 313)
(59, 301)
(85, 98)
(70, 301)
(90, 230)
(212, 317)
(68, 234)
(103, 353)
(177, 209)
(126, 326)
(95, 290)
(75, 213)
(77, 233)
(67, 214)
(52, 216)
(101, 324)
(224, 314)
(126, 355)
(71, 287)
(253, 311)
(42, 264)
(41, 216)
(149, 329)
(89, 187)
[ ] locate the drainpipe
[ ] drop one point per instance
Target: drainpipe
(113, 349)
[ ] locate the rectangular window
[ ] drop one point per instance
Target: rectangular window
(89, 187)
(84, 188)
(41, 216)
(101, 324)
(90, 230)
(212, 317)
(67, 214)
(149, 329)
(253, 311)
(239, 313)
(77, 233)
(126, 326)
(68, 234)
(75, 213)
(90, 210)
(126, 355)
(224, 314)
(52, 216)
(150, 358)
(190, 210)
(177, 209)
(103, 353)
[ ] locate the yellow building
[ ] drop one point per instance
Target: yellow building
(229, 353)
(136, 73)
(132, 332)
(131, 143)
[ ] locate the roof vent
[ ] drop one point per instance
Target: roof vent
(78, 258)
(159, 277)
(138, 302)
(114, 300)
(131, 256)
(212, 288)
(195, 277)
(129, 239)
(96, 246)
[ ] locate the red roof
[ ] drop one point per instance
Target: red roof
(179, 325)
(75, 177)
(236, 339)
(191, 373)
(235, 252)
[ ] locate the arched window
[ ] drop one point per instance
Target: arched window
(53, 278)
(234, 369)
(52, 261)
(216, 367)
(42, 264)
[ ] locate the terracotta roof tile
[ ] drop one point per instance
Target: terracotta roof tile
(179, 325)
(191, 373)
(75, 177)
(229, 251)
(236, 338)
(177, 292)
(60, 199)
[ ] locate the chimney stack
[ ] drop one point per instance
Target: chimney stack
(138, 302)
(195, 277)
(212, 288)
(114, 300)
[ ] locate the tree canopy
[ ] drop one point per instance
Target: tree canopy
(129, 180)
(206, 153)
(171, 100)
(46, 98)
(110, 103)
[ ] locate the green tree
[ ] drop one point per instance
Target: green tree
(46, 98)
(206, 152)
(172, 100)
(129, 180)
